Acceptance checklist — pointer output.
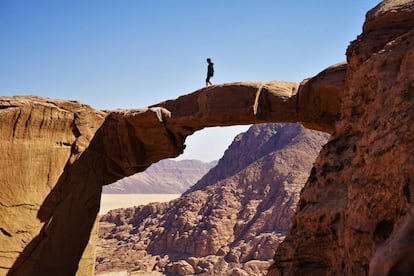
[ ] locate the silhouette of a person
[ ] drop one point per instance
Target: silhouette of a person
(210, 71)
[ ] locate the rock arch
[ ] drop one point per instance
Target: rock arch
(67, 151)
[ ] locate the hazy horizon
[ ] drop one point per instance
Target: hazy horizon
(116, 201)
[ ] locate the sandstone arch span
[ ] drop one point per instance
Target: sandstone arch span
(67, 151)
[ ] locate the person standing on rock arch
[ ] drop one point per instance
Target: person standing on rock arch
(210, 71)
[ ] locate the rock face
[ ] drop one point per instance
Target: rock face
(231, 220)
(40, 140)
(164, 177)
(354, 216)
(68, 151)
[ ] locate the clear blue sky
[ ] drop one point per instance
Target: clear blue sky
(134, 53)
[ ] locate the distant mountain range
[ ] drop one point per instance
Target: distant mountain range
(165, 177)
(230, 222)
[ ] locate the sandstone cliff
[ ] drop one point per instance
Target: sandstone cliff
(164, 177)
(354, 216)
(230, 221)
(40, 139)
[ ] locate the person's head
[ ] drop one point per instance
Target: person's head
(209, 60)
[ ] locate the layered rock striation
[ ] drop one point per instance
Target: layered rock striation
(230, 221)
(40, 140)
(354, 216)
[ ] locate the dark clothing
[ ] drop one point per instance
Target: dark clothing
(210, 71)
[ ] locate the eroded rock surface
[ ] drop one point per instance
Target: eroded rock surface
(356, 203)
(40, 140)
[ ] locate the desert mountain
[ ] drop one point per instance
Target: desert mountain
(165, 177)
(230, 221)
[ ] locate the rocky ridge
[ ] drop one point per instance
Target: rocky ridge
(163, 177)
(229, 222)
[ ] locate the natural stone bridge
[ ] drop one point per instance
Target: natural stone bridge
(357, 205)
(58, 154)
